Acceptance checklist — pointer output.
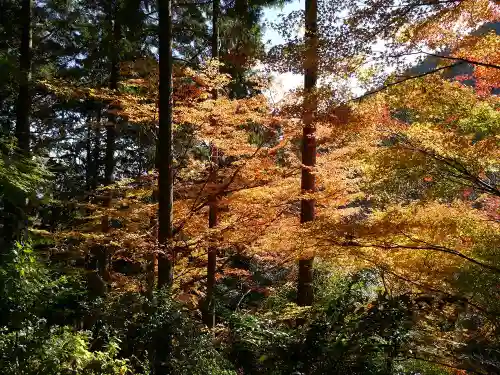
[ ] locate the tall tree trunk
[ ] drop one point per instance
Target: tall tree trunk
(109, 159)
(88, 156)
(96, 152)
(209, 311)
(213, 221)
(305, 283)
(23, 108)
(165, 171)
(15, 219)
(114, 76)
(162, 341)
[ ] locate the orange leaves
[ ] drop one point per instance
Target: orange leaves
(492, 208)
(487, 78)
(340, 115)
(236, 272)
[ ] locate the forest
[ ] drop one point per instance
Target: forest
(166, 208)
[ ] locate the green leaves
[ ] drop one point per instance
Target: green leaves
(20, 177)
(58, 351)
(483, 121)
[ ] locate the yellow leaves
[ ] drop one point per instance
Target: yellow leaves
(64, 89)
(447, 27)
(418, 240)
(291, 312)
(428, 145)
(260, 195)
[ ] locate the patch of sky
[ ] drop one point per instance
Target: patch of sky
(271, 36)
(281, 82)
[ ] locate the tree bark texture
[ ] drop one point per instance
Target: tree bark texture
(305, 280)
(14, 216)
(114, 76)
(165, 170)
(23, 108)
(213, 220)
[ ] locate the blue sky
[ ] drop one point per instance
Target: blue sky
(273, 14)
(285, 81)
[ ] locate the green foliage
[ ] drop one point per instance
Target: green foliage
(355, 328)
(32, 341)
(57, 351)
(19, 177)
(259, 344)
(161, 332)
(360, 330)
(483, 120)
(180, 342)
(49, 324)
(416, 367)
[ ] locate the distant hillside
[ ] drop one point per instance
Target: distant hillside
(431, 62)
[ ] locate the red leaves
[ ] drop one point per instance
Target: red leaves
(451, 119)
(466, 193)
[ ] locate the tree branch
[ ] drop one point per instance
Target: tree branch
(386, 86)
(462, 59)
(427, 246)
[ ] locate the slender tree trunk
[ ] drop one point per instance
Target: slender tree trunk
(15, 219)
(209, 311)
(213, 221)
(96, 152)
(305, 283)
(162, 342)
(165, 171)
(109, 159)
(114, 76)
(95, 257)
(88, 156)
(23, 108)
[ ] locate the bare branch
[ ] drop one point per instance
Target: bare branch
(386, 86)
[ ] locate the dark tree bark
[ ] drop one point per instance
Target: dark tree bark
(96, 152)
(162, 341)
(88, 156)
(213, 221)
(165, 171)
(23, 108)
(109, 158)
(15, 219)
(305, 280)
(115, 27)
(209, 310)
